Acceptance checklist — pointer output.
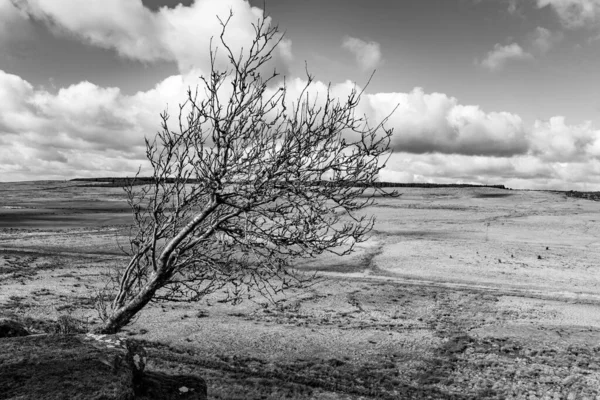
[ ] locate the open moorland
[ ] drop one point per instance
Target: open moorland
(460, 293)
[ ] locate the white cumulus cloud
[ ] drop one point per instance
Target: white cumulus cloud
(543, 40)
(519, 172)
(86, 130)
(555, 140)
(367, 54)
(539, 42)
(574, 14)
(497, 58)
(181, 34)
(82, 130)
(435, 122)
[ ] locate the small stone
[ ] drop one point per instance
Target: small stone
(569, 380)
(547, 379)
(157, 385)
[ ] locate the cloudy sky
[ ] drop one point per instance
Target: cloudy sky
(488, 91)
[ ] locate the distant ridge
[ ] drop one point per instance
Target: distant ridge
(583, 195)
(117, 182)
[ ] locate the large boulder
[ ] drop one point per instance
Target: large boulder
(97, 367)
(63, 367)
(11, 328)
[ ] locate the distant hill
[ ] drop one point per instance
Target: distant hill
(583, 195)
(119, 182)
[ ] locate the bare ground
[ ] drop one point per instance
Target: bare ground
(460, 294)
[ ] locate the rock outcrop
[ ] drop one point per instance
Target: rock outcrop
(11, 328)
(86, 367)
(56, 367)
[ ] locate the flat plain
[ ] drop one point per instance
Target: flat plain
(460, 293)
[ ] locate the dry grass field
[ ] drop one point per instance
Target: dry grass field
(460, 293)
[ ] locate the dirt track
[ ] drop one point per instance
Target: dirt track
(460, 293)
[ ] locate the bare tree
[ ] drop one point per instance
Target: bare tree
(248, 182)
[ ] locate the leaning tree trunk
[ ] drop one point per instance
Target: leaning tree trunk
(124, 309)
(123, 315)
